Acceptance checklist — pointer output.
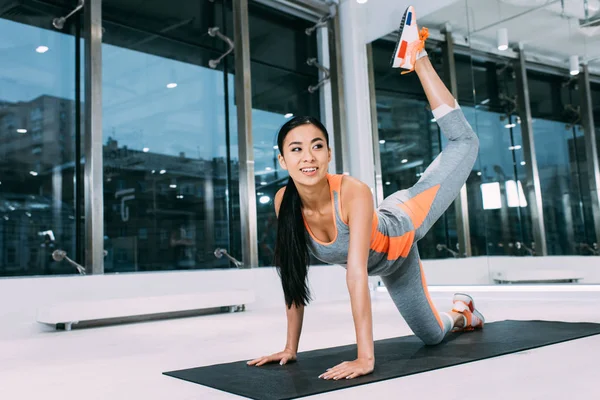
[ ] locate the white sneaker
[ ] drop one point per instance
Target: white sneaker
(465, 305)
(410, 42)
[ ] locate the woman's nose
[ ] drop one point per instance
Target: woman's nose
(308, 156)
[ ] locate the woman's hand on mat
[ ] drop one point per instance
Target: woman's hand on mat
(350, 369)
(281, 357)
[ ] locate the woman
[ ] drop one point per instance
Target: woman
(333, 217)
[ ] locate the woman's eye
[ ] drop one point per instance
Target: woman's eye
(318, 146)
(296, 149)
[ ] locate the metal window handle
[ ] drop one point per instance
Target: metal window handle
(219, 253)
(59, 23)
(313, 63)
(60, 255)
(441, 247)
(323, 20)
(214, 31)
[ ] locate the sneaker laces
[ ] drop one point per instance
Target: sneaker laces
(423, 35)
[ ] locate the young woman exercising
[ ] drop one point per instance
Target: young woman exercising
(333, 217)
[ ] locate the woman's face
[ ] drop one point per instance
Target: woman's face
(305, 154)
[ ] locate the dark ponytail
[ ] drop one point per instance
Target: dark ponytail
(291, 251)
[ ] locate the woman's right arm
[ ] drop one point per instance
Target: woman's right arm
(295, 316)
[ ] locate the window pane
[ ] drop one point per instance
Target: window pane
(561, 157)
(37, 141)
(166, 168)
(279, 49)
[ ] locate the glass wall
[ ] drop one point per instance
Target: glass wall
(281, 76)
(500, 216)
(166, 157)
(169, 118)
(38, 138)
(560, 153)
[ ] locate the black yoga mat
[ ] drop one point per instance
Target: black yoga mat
(393, 358)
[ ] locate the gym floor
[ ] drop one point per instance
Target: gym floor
(127, 361)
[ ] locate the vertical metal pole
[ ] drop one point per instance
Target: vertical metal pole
(325, 102)
(337, 96)
(587, 117)
(78, 176)
(374, 127)
(533, 189)
(94, 193)
(243, 97)
(461, 204)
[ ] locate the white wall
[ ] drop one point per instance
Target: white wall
(21, 297)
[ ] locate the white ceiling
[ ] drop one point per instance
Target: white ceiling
(546, 31)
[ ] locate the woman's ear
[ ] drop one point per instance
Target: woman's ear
(281, 161)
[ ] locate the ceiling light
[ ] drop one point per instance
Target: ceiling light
(517, 147)
(162, 171)
(172, 186)
(268, 169)
(502, 38)
(33, 173)
(21, 130)
(361, 1)
(145, 150)
(42, 49)
(388, 183)
(264, 199)
(523, 163)
(288, 115)
(171, 85)
(275, 148)
(382, 141)
(404, 161)
(433, 120)
(574, 65)
(263, 183)
(508, 126)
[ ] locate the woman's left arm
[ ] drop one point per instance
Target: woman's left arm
(358, 204)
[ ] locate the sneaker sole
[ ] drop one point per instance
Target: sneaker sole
(400, 29)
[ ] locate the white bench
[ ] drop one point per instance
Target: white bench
(536, 276)
(141, 308)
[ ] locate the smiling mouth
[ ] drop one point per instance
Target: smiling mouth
(308, 170)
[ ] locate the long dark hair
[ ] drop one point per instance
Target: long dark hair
(291, 251)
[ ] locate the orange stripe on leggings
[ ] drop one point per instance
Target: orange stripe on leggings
(426, 291)
(418, 207)
(400, 245)
(395, 247)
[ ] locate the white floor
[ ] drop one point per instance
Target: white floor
(127, 361)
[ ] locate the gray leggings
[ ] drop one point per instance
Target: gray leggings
(449, 171)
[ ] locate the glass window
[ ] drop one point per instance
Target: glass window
(561, 158)
(499, 216)
(166, 153)
(279, 49)
(37, 185)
